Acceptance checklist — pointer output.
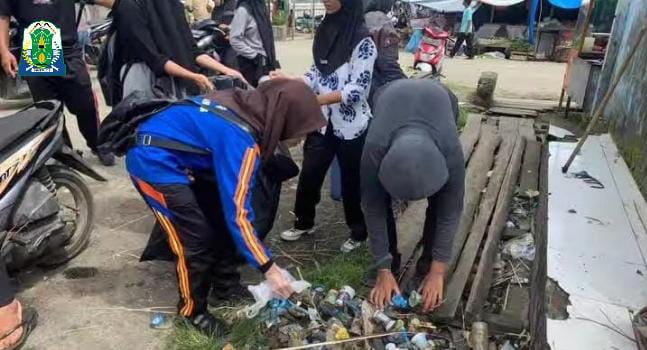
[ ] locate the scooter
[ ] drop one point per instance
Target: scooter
(431, 51)
(212, 39)
(46, 207)
(97, 34)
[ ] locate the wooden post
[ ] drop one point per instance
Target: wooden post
(585, 30)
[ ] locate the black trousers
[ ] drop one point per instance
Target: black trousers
(203, 250)
(468, 38)
(424, 263)
(6, 292)
(75, 91)
(318, 153)
(254, 69)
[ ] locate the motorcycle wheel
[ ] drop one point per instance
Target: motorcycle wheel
(77, 216)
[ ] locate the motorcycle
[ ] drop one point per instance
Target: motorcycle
(46, 208)
(214, 40)
(97, 33)
(431, 51)
(307, 24)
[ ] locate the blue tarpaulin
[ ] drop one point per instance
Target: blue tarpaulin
(566, 4)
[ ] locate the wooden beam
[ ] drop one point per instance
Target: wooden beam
(538, 274)
(470, 134)
(454, 291)
(476, 177)
(483, 280)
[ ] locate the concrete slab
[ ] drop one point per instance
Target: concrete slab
(596, 242)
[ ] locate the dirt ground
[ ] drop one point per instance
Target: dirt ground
(100, 312)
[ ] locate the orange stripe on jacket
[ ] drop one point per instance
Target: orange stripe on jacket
(182, 271)
(242, 189)
(151, 192)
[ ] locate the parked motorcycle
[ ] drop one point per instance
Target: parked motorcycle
(431, 51)
(97, 33)
(307, 24)
(214, 40)
(46, 208)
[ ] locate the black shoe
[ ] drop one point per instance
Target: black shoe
(208, 324)
(218, 295)
(106, 158)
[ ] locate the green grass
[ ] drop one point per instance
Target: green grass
(342, 269)
(245, 334)
(462, 117)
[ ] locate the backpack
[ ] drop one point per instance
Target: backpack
(118, 131)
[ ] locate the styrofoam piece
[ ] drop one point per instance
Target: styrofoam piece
(599, 225)
(588, 327)
(558, 132)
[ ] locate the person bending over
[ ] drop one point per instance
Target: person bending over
(413, 152)
(237, 130)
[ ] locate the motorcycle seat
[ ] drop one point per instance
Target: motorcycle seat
(13, 127)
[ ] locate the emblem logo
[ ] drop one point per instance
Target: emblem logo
(42, 51)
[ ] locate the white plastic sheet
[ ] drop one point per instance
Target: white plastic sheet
(501, 2)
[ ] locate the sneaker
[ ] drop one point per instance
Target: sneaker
(350, 245)
(294, 234)
(106, 158)
(208, 324)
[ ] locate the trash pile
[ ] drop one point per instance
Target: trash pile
(333, 317)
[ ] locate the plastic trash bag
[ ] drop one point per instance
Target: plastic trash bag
(522, 247)
(263, 293)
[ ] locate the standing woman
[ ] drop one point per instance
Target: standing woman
(344, 56)
(252, 38)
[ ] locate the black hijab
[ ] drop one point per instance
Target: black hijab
(170, 31)
(378, 5)
(338, 35)
(258, 10)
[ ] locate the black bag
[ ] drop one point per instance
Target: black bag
(118, 131)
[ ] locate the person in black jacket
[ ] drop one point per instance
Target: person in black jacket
(75, 88)
(156, 50)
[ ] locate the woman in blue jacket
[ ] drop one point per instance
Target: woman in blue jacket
(232, 133)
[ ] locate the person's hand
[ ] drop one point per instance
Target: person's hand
(278, 74)
(385, 287)
(280, 285)
(236, 74)
(9, 64)
(203, 82)
(432, 291)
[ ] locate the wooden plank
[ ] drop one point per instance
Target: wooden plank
(409, 228)
(482, 281)
(498, 324)
(518, 112)
(454, 291)
(470, 134)
(529, 181)
(476, 177)
(538, 274)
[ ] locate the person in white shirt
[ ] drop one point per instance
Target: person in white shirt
(344, 55)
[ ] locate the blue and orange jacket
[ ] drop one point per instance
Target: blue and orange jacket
(234, 160)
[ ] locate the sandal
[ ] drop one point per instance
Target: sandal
(29, 322)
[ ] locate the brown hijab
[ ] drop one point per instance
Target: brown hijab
(277, 110)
